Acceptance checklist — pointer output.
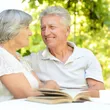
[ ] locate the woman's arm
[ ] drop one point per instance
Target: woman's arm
(18, 85)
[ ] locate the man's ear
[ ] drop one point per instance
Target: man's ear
(68, 31)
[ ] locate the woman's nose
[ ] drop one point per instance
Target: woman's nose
(30, 33)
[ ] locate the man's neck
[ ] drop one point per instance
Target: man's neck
(62, 53)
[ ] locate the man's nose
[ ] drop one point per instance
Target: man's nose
(47, 31)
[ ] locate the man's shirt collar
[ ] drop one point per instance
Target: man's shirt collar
(75, 55)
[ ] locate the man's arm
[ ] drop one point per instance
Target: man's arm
(94, 86)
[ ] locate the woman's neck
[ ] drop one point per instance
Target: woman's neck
(10, 48)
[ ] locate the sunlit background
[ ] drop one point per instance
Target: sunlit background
(10, 4)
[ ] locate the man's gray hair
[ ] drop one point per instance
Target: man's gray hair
(11, 21)
(57, 10)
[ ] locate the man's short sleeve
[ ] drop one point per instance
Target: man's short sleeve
(94, 69)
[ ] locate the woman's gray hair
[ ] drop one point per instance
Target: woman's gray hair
(57, 10)
(11, 21)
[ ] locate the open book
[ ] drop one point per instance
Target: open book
(60, 96)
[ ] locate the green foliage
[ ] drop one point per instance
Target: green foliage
(89, 27)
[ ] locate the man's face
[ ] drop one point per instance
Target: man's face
(53, 31)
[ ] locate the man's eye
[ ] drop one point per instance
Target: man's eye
(43, 28)
(52, 27)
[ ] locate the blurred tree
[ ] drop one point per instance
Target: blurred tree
(89, 27)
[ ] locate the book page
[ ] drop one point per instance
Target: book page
(71, 92)
(64, 93)
(77, 94)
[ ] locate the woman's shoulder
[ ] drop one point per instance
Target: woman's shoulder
(2, 52)
(4, 57)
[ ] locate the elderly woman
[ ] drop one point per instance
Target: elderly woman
(17, 79)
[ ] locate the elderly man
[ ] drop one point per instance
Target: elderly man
(62, 61)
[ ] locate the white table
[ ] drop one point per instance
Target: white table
(22, 104)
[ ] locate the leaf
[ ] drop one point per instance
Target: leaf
(40, 1)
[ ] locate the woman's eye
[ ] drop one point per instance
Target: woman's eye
(27, 27)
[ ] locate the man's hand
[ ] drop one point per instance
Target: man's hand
(51, 85)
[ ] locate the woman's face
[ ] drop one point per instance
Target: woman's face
(22, 39)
